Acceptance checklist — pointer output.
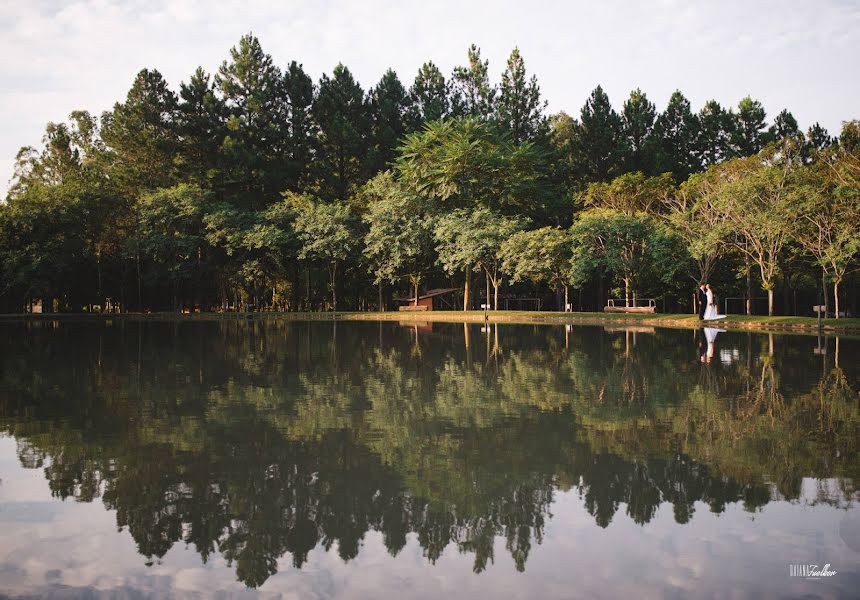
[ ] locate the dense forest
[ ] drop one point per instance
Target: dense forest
(255, 188)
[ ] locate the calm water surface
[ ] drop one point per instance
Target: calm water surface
(380, 460)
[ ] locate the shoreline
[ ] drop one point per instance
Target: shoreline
(801, 325)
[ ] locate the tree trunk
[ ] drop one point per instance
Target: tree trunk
(749, 289)
(99, 275)
(466, 289)
(416, 292)
(824, 291)
(836, 297)
(770, 302)
(565, 298)
(487, 282)
(139, 295)
(626, 291)
(496, 284)
(333, 288)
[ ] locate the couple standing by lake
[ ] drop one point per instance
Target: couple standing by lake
(707, 305)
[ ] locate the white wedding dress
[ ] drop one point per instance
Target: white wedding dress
(711, 310)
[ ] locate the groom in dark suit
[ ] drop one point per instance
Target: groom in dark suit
(703, 301)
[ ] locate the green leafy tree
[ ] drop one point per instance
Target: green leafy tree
(327, 234)
(463, 163)
(829, 228)
(760, 212)
(540, 256)
(631, 193)
(695, 216)
(472, 239)
(629, 247)
(171, 233)
(399, 233)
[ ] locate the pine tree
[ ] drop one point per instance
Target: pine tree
(600, 140)
(389, 107)
(429, 96)
(519, 107)
(140, 135)
(201, 125)
(750, 125)
(784, 125)
(472, 94)
(638, 123)
(299, 91)
(716, 132)
(257, 133)
(342, 115)
(675, 132)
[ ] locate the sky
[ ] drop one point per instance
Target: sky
(64, 56)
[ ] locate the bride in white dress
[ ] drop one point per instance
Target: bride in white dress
(711, 310)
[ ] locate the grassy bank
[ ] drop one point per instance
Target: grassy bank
(757, 323)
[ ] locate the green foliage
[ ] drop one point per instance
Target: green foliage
(539, 255)
(631, 247)
(326, 234)
(399, 234)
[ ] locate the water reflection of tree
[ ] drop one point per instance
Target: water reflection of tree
(258, 440)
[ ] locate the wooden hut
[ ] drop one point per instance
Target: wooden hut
(436, 299)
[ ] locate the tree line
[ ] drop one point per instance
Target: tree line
(256, 187)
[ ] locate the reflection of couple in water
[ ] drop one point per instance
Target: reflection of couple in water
(707, 304)
(709, 336)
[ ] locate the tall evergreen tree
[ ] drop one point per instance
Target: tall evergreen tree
(600, 140)
(343, 118)
(784, 125)
(715, 135)
(750, 126)
(201, 125)
(472, 94)
(637, 119)
(141, 136)
(519, 109)
(389, 107)
(299, 90)
(675, 132)
(817, 137)
(257, 133)
(429, 96)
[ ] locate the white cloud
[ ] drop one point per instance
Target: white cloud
(61, 56)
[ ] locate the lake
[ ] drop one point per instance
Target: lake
(384, 460)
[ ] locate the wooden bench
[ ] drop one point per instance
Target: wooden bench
(630, 309)
(409, 308)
